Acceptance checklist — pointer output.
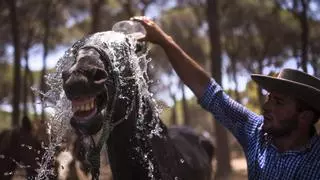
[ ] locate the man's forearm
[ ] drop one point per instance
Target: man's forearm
(191, 73)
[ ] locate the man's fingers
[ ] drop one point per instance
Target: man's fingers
(142, 39)
(143, 20)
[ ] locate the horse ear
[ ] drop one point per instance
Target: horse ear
(26, 124)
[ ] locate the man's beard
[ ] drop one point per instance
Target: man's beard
(285, 129)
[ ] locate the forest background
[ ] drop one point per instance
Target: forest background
(230, 38)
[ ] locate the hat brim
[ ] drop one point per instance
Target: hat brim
(304, 92)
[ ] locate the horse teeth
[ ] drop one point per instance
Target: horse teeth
(84, 106)
(88, 107)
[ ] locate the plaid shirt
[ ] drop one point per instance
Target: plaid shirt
(263, 159)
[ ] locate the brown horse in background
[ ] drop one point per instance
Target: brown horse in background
(19, 148)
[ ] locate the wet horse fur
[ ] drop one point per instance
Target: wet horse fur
(135, 150)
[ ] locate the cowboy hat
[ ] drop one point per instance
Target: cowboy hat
(293, 82)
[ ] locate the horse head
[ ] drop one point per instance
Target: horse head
(100, 79)
(107, 85)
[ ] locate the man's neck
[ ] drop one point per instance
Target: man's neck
(294, 141)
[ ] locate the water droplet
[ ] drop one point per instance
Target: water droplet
(182, 160)
(8, 173)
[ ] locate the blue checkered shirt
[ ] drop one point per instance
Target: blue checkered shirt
(263, 159)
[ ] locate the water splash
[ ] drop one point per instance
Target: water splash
(138, 63)
(22, 166)
(59, 114)
(120, 50)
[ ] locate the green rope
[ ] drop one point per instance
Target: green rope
(94, 154)
(94, 159)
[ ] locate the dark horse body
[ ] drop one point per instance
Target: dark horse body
(19, 146)
(106, 90)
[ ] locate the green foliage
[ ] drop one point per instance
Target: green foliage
(255, 35)
(5, 120)
(249, 97)
(183, 25)
(5, 80)
(200, 119)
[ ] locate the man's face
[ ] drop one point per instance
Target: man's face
(280, 115)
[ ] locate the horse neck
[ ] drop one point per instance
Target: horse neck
(128, 140)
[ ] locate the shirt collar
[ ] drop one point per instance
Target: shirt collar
(267, 140)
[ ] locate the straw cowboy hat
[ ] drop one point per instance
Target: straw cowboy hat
(293, 82)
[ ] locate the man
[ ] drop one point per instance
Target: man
(280, 144)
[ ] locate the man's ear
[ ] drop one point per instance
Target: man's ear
(307, 116)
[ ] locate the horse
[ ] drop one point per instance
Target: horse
(72, 168)
(107, 85)
(19, 148)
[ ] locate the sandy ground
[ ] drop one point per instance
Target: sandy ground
(239, 166)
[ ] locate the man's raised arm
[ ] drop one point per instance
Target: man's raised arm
(191, 73)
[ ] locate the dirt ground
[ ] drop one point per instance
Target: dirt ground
(239, 166)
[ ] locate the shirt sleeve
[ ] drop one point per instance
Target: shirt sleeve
(242, 122)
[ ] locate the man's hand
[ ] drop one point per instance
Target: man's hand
(154, 33)
(188, 70)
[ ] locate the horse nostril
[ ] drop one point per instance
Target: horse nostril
(100, 76)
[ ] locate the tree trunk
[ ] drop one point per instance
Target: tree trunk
(173, 117)
(185, 109)
(45, 44)
(259, 89)
(223, 151)
(95, 14)
(26, 83)
(235, 80)
(304, 35)
(174, 120)
(146, 4)
(33, 97)
(17, 65)
(127, 5)
(25, 90)
(314, 65)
